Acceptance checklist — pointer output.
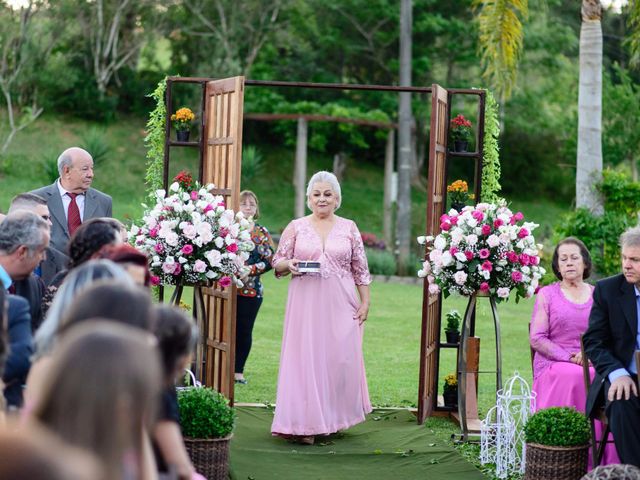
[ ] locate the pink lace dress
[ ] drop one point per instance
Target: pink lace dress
(322, 387)
(556, 327)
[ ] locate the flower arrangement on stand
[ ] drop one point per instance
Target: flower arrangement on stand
(450, 390)
(182, 123)
(486, 249)
(191, 237)
(459, 194)
(460, 130)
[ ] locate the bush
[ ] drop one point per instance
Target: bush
(601, 234)
(557, 427)
(252, 163)
(94, 141)
(205, 413)
(381, 262)
(49, 166)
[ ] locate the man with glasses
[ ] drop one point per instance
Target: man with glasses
(70, 199)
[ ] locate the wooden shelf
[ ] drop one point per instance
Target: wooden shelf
(463, 154)
(174, 143)
(449, 345)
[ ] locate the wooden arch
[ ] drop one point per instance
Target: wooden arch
(220, 149)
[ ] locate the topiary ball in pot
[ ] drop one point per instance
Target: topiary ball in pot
(557, 444)
(206, 420)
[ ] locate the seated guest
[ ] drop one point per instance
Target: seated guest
(177, 337)
(100, 394)
(560, 317)
(610, 342)
(131, 259)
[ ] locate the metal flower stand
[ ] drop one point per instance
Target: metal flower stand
(467, 370)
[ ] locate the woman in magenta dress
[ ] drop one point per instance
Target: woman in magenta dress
(322, 387)
(560, 317)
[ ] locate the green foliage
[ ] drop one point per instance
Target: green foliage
(557, 427)
(252, 163)
(205, 413)
(154, 141)
(381, 262)
(601, 234)
(490, 151)
(49, 166)
(453, 321)
(95, 142)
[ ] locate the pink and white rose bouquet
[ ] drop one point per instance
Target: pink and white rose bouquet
(485, 248)
(191, 237)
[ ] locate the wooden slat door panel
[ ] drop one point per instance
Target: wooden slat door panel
(431, 304)
(222, 167)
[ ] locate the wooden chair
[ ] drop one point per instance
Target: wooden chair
(597, 444)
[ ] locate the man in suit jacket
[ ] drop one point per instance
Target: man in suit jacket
(20, 342)
(71, 199)
(610, 343)
(55, 260)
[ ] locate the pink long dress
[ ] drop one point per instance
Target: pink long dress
(556, 327)
(322, 387)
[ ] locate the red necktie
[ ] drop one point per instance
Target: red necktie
(73, 214)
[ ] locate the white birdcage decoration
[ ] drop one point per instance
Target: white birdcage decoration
(514, 404)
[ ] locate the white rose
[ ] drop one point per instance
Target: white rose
(472, 222)
(460, 277)
(461, 257)
(446, 259)
(471, 239)
(219, 242)
(172, 239)
(486, 274)
(422, 239)
(525, 269)
(434, 288)
(493, 241)
(440, 242)
(175, 186)
(214, 258)
(503, 292)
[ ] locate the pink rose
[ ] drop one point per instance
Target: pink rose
(484, 287)
(453, 250)
(518, 216)
(468, 254)
(524, 259)
(178, 270)
(233, 248)
(444, 218)
(523, 233)
(158, 247)
(224, 282)
(187, 249)
(516, 276)
(208, 207)
(454, 220)
(446, 226)
(199, 266)
(153, 233)
(486, 229)
(477, 215)
(487, 265)
(534, 260)
(194, 195)
(484, 253)
(512, 257)
(221, 204)
(154, 280)
(497, 223)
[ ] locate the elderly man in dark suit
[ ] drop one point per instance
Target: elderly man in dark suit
(610, 342)
(71, 199)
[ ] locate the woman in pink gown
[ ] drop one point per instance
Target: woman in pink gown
(560, 317)
(322, 387)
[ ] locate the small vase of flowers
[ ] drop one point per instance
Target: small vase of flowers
(460, 129)
(452, 329)
(182, 123)
(458, 194)
(486, 249)
(450, 391)
(191, 238)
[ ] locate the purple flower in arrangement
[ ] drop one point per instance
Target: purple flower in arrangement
(158, 247)
(484, 253)
(187, 249)
(487, 265)
(516, 276)
(153, 233)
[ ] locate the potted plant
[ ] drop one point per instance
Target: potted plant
(458, 194)
(450, 392)
(182, 123)
(452, 330)
(557, 444)
(206, 421)
(460, 129)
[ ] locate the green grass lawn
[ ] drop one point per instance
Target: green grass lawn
(392, 344)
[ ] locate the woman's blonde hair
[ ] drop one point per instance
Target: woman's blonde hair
(248, 193)
(101, 391)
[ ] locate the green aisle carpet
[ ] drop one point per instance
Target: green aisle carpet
(389, 445)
